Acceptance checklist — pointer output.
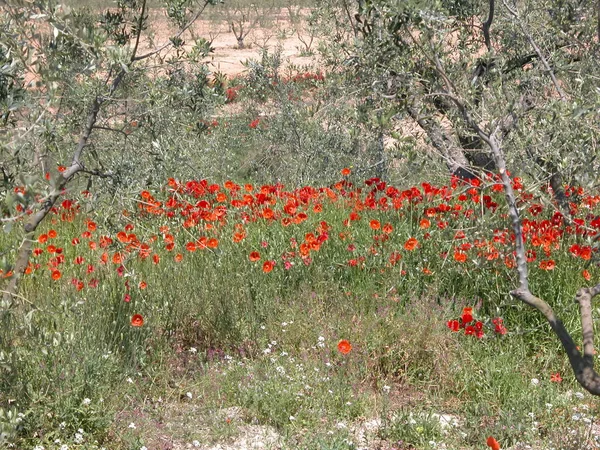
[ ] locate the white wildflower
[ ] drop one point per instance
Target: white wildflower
(535, 381)
(132, 426)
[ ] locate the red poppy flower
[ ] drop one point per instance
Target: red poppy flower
(411, 244)
(467, 315)
(56, 275)
(586, 274)
(556, 378)
(374, 224)
(137, 320)
(548, 265)
(268, 266)
(460, 256)
(346, 171)
(388, 228)
(424, 224)
(344, 347)
(493, 443)
(454, 325)
(52, 234)
(254, 256)
(42, 238)
(212, 243)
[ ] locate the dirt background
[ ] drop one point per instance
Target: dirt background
(272, 31)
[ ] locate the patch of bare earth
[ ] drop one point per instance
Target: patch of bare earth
(227, 58)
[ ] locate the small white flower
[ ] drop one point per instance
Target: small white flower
(266, 351)
(86, 401)
(64, 447)
(579, 395)
(196, 443)
(284, 324)
(132, 426)
(189, 395)
(193, 350)
(262, 327)
(387, 389)
(129, 380)
(284, 353)
(280, 370)
(78, 438)
(143, 447)
(39, 447)
(62, 426)
(535, 381)
(292, 418)
(273, 342)
(549, 405)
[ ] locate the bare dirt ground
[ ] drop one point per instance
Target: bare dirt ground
(227, 58)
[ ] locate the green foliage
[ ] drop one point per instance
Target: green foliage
(214, 323)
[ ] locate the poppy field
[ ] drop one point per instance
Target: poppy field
(312, 308)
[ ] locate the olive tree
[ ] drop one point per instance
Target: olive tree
(74, 88)
(491, 86)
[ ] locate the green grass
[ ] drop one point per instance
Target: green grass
(264, 345)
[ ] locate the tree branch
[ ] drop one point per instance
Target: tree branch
(486, 27)
(515, 14)
(167, 44)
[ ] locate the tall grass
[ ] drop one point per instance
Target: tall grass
(380, 266)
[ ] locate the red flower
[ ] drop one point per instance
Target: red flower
(548, 265)
(346, 171)
(460, 257)
(493, 443)
(254, 256)
(137, 320)
(556, 378)
(411, 244)
(344, 347)
(586, 274)
(254, 123)
(454, 325)
(467, 315)
(374, 224)
(268, 266)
